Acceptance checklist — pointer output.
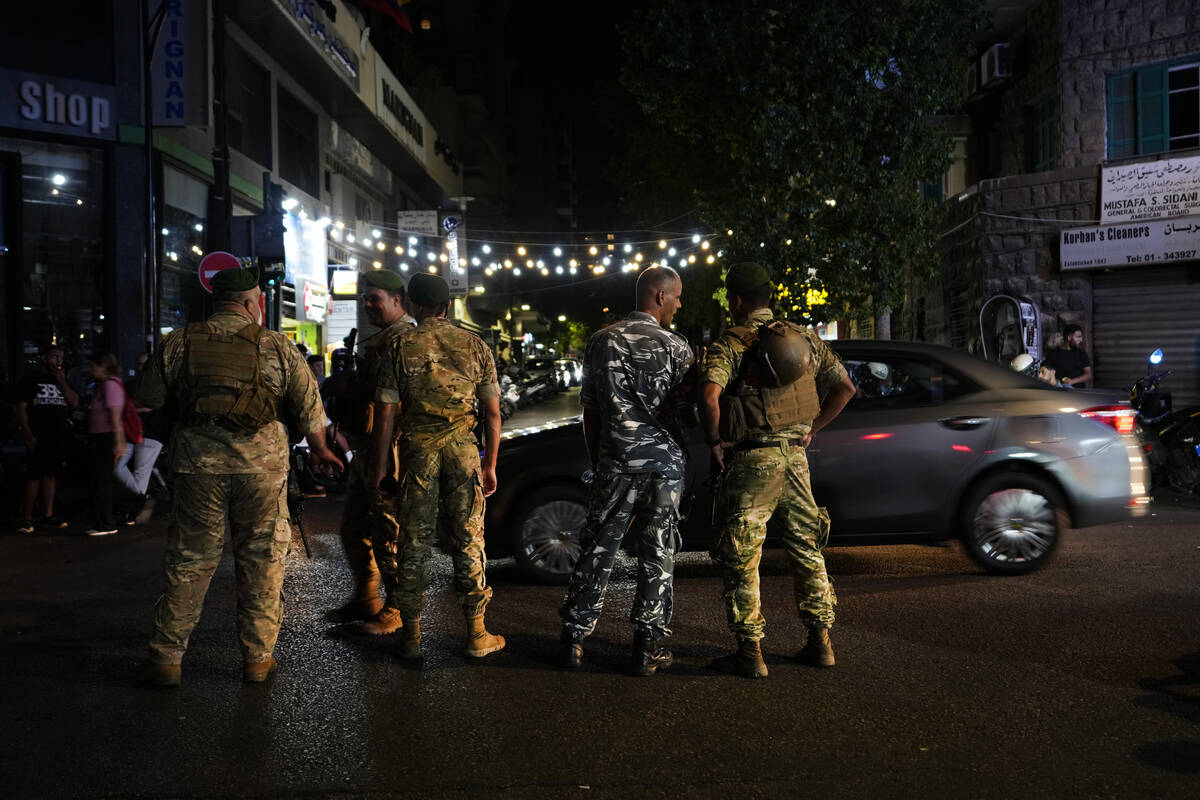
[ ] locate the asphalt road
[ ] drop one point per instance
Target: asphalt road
(1082, 680)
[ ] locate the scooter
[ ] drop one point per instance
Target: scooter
(1170, 439)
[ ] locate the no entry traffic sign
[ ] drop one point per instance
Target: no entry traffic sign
(213, 263)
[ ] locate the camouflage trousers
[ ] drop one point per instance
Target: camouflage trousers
(441, 485)
(369, 528)
(755, 484)
(255, 507)
(617, 501)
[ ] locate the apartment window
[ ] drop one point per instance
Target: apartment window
(1043, 124)
(298, 155)
(248, 97)
(1154, 109)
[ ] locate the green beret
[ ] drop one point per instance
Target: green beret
(235, 280)
(428, 290)
(746, 276)
(384, 279)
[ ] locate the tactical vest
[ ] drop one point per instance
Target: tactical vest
(222, 379)
(762, 407)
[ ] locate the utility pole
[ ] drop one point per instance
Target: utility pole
(220, 218)
(151, 26)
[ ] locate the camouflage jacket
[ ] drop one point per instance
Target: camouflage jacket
(724, 358)
(372, 353)
(212, 449)
(629, 368)
(436, 371)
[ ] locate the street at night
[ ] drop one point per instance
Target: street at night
(1077, 681)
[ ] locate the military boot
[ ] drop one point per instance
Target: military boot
(747, 662)
(410, 639)
(153, 673)
(570, 650)
(817, 651)
(361, 609)
(386, 621)
(258, 671)
(479, 642)
(648, 656)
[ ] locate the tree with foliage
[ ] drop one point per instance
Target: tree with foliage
(804, 131)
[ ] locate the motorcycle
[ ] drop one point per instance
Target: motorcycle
(1170, 438)
(510, 397)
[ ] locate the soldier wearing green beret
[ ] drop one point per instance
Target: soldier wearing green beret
(369, 527)
(766, 470)
(227, 382)
(435, 378)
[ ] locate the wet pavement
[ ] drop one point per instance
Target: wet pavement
(1082, 680)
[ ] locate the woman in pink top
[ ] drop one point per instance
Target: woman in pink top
(107, 436)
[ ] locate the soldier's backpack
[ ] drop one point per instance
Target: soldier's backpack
(222, 379)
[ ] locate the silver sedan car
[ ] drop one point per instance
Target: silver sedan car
(935, 445)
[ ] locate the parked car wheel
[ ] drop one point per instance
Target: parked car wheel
(546, 541)
(1012, 523)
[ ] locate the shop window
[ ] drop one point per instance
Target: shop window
(248, 97)
(182, 236)
(1154, 109)
(298, 153)
(59, 274)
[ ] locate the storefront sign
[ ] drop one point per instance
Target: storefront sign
(456, 273)
(57, 105)
(177, 79)
(315, 299)
(305, 248)
(1160, 189)
(398, 112)
(325, 36)
(344, 281)
(1130, 244)
(423, 223)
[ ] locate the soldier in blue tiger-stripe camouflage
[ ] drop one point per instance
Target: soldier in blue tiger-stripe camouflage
(630, 369)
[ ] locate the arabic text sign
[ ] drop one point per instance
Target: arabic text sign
(1160, 189)
(1130, 244)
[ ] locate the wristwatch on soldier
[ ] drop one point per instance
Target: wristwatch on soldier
(713, 442)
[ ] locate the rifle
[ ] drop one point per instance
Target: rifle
(296, 498)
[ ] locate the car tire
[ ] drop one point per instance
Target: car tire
(546, 534)
(1012, 523)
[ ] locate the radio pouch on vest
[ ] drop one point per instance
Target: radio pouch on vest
(223, 379)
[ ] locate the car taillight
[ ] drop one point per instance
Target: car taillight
(1120, 418)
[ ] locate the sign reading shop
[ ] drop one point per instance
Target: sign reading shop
(57, 105)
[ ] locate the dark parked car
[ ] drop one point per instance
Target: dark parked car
(936, 445)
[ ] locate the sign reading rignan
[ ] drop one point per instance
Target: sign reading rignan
(1130, 244)
(1162, 189)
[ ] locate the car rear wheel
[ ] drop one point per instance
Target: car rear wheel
(546, 540)
(1012, 523)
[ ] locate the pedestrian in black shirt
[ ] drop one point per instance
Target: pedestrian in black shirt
(43, 407)
(1070, 362)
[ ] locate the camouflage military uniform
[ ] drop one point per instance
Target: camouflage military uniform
(755, 484)
(629, 369)
(239, 478)
(435, 372)
(369, 527)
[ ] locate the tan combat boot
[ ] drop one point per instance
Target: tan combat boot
(386, 621)
(747, 662)
(479, 642)
(258, 671)
(152, 673)
(361, 609)
(818, 650)
(410, 640)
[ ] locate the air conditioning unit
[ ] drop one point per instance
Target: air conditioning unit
(972, 87)
(995, 65)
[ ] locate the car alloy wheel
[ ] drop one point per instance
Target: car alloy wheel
(1014, 524)
(548, 540)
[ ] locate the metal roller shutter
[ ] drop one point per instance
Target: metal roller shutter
(1136, 310)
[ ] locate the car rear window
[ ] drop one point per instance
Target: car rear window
(901, 381)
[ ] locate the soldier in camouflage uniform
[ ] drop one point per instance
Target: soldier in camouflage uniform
(629, 370)
(436, 373)
(369, 527)
(227, 381)
(767, 472)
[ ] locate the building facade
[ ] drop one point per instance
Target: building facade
(1073, 186)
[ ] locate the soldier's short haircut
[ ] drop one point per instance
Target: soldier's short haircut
(653, 281)
(759, 297)
(227, 296)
